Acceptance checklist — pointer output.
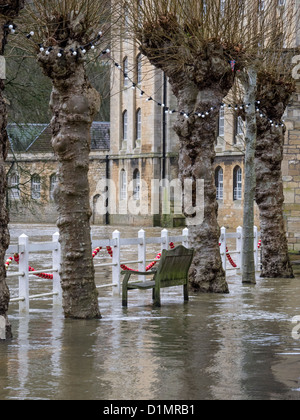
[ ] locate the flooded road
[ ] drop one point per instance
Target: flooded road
(238, 346)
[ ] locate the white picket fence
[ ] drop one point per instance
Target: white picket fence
(117, 243)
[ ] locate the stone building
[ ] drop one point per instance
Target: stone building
(32, 166)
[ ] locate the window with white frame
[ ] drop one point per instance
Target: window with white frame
(35, 187)
(261, 5)
(140, 13)
(139, 69)
(240, 126)
(237, 183)
(221, 130)
(53, 183)
(136, 184)
(222, 7)
(125, 125)
(14, 184)
(123, 185)
(219, 183)
(139, 124)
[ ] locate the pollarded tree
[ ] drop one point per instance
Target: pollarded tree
(63, 32)
(9, 9)
(274, 87)
(200, 46)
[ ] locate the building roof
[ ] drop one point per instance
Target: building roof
(36, 138)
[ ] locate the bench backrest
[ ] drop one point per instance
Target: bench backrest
(174, 265)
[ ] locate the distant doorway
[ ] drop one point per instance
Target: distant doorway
(95, 217)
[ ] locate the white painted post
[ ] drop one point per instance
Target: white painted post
(56, 255)
(23, 267)
(116, 260)
(185, 241)
(164, 239)
(2, 328)
(239, 248)
(142, 253)
(223, 247)
(255, 248)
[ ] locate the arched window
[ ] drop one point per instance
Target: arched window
(14, 182)
(125, 125)
(139, 124)
(237, 183)
(123, 185)
(219, 183)
(35, 187)
(136, 184)
(53, 183)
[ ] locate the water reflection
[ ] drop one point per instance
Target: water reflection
(236, 346)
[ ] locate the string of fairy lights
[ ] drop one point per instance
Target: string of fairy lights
(202, 114)
(92, 45)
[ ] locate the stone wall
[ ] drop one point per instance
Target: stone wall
(25, 209)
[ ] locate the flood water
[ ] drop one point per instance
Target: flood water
(238, 346)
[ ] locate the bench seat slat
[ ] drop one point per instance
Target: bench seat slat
(142, 285)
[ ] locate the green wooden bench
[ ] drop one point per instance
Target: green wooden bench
(172, 270)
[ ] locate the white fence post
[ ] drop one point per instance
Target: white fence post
(255, 248)
(185, 234)
(223, 247)
(239, 248)
(56, 255)
(116, 269)
(142, 253)
(23, 267)
(165, 239)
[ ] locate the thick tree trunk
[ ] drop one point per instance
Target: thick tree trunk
(270, 199)
(249, 81)
(4, 219)
(74, 103)
(5, 327)
(274, 95)
(196, 162)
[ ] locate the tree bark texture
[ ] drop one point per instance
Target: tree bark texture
(196, 161)
(8, 10)
(200, 79)
(249, 81)
(74, 102)
(4, 217)
(269, 185)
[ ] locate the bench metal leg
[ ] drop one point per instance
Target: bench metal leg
(125, 290)
(156, 296)
(186, 292)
